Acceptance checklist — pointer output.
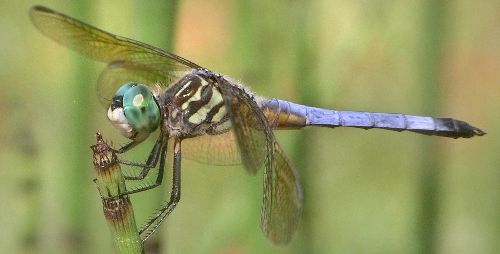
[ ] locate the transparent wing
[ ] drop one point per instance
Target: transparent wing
(103, 46)
(219, 149)
(282, 198)
(118, 73)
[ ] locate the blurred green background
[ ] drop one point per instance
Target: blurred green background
(365, 191)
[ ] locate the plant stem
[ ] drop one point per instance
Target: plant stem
(117, 208)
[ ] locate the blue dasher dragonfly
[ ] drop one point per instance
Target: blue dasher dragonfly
(210, 118)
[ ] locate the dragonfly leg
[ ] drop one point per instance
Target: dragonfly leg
(151, 161)
(129, 146)
(159, 177)
(126, 147)
(175, 195)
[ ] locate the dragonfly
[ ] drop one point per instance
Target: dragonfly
(210, 118)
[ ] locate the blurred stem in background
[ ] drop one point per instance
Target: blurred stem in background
(307, 92)
(77, 171)
(156, 22)
(262, 53)
(432, 36)
(31, 197)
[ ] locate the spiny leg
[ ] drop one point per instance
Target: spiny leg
(159, 177)
(127, 147)
(148, 164)
(175, 196)
(151, 161)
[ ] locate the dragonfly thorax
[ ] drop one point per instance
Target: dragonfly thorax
(195, 107)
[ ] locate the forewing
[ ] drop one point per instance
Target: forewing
(118, 73)
(101, 45)
(117, 51)
(282, 197)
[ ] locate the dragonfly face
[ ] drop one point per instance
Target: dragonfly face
(216, 120)
(134, 111)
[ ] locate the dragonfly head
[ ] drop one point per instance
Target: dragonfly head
(134, 111)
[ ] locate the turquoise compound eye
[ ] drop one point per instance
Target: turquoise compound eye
(140, 107)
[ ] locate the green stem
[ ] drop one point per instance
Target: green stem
(117, 208)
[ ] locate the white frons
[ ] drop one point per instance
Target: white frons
(118, 119)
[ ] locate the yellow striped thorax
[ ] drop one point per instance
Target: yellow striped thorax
(196, 107)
